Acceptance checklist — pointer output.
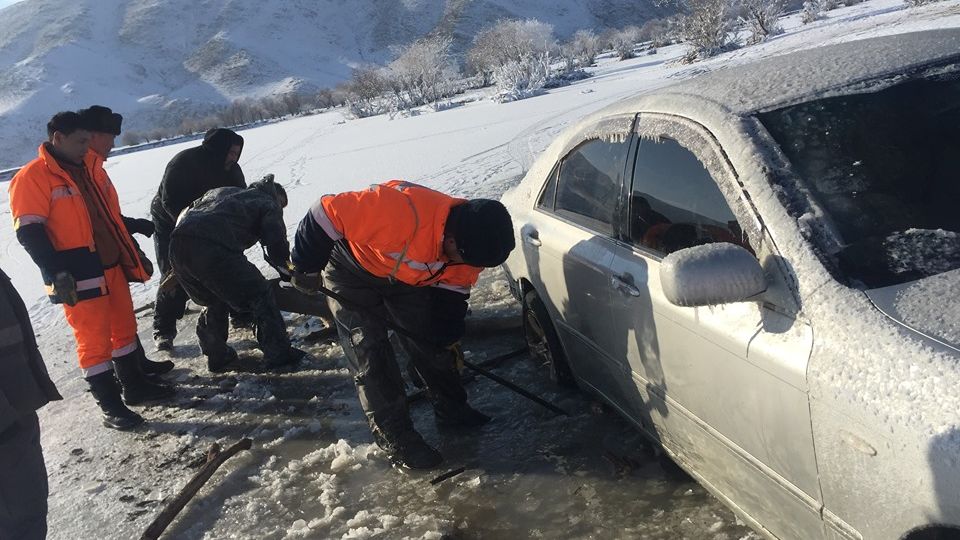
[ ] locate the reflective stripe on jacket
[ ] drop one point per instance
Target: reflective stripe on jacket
(395, 230)
(42, 192)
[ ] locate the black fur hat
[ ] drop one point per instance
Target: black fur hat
(101, 119)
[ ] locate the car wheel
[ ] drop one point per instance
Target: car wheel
(543, 340)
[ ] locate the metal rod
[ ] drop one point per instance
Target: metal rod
(412, 335)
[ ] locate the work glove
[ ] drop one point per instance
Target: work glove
(140, 226)
(168, 284)
(309, 283)
(65, 288)
(457, 351)
(147, 265)
(267, 178)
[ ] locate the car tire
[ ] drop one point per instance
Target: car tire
(543, 341)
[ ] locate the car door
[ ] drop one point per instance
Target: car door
(723, 386)
(569, 243)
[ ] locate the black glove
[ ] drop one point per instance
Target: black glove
(306, 283)
(139, 226)
(65, 288)
(456, 350)
(278, 255)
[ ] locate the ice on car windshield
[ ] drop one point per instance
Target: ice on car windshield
(885, 167)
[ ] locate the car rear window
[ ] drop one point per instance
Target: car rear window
(885, 167)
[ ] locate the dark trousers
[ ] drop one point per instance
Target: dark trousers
(222, 281)
(23, 481)
(169, 307)
(371, 356)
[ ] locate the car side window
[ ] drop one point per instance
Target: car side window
(589, 183)
(675, 203)
(549, 193)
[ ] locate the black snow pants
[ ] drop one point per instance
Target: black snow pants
(23, 481)
(365, 342)
(223, 280)
(169, 307)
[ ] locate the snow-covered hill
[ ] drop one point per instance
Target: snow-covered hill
(157, 61)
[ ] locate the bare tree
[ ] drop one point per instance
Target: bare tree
(657, 32)
(762, 18)
(131, 138)
(581, 51)
(327, 98)
(508, 41)
(585, 46)
(292, 103)
(623, 41)
(519, 79)
(365, 91)
(812, 11)
(707, 25)
(422, 73)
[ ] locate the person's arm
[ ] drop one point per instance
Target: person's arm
(311, 245)
(273, 235)
(30, 206)
(33, 237)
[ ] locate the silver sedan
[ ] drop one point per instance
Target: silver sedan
(760, 268)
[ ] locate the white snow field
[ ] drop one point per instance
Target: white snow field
(313, 471)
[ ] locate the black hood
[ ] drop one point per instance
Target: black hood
(218, 141)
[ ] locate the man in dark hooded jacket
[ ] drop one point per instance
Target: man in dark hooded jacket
(190, 174)
(24, 388)
(206, 254)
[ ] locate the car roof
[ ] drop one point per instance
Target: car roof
(799, 76)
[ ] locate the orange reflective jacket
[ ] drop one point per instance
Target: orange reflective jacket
(395, 230)
(42, 192)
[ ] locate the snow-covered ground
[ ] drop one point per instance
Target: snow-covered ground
(314, 472)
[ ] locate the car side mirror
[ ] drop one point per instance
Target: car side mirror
(709, 274)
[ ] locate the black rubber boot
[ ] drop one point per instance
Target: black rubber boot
(458, 416)
(137, 388)
(149, 367)
(408, 450)
(289, 363)
(218, 363)
(163, 343)
(106, 391)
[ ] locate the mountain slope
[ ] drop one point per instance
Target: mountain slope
(158, 60)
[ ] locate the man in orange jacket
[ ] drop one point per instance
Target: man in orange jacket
(66, 214)
(104, 127)
(409, 253)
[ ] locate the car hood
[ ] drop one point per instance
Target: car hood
(930, 306)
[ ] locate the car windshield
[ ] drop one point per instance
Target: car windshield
(885, 167)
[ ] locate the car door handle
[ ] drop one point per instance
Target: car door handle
(623, 284)
(532, 238)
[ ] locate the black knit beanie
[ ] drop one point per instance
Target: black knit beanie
(483, 231)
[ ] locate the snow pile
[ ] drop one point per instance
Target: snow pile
(928, 252)
(340, 456)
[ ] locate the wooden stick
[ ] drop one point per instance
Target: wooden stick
(215, 459)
